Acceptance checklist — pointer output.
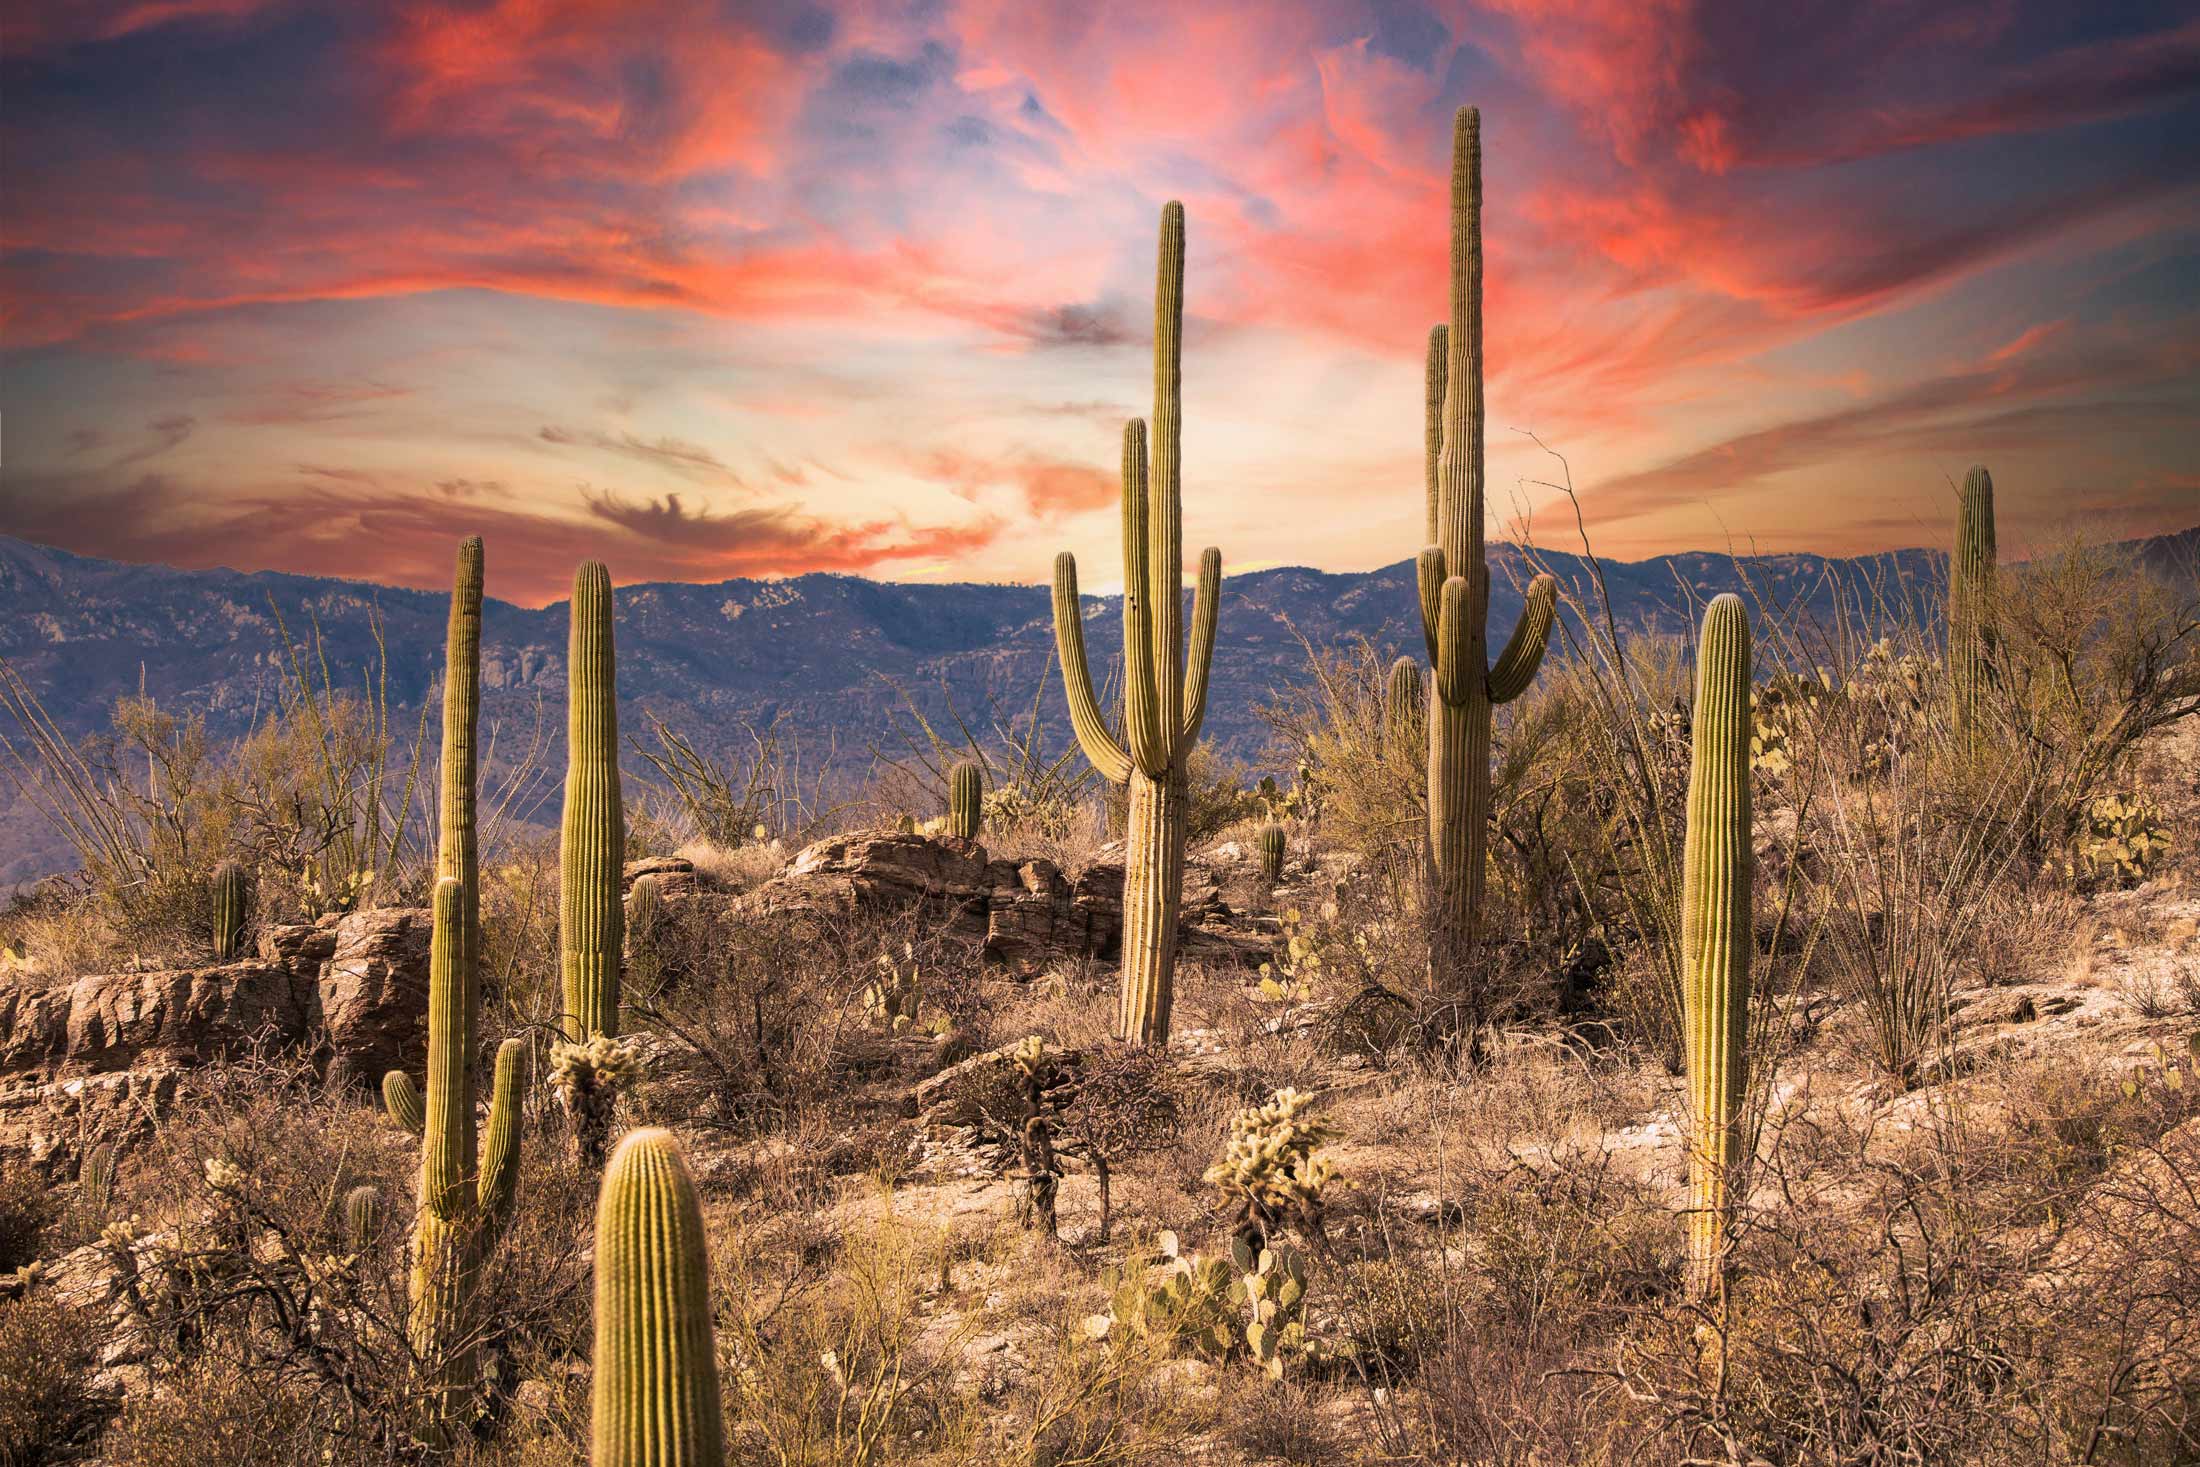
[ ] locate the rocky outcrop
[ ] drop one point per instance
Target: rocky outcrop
(102, 1055)
(1027, 914)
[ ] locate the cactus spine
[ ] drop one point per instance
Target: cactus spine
(1405, 697)
(1165, 692)
(965, 801)
(656, 1387)
(1971, 598)
(1454, 586)
(462, 1202)
(1271, 851)
(230, 896)
(1716, 938)
(592, 838)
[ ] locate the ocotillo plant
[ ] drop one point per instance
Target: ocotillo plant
(1971, 598)
(1454, 588)
(591, 851)
(1405, 699)
(1271, 851)
(226, 909)
(656, 1388)
(1165, 692)
(965, 800)
(1716, 937)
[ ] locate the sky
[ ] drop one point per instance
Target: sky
(722, 289)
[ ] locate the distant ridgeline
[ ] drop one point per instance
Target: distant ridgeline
(823, 653)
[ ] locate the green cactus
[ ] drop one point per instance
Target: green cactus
(965, 800)
(1716, 936)
(1454, 584)
(363, 1216)
(1165, 691)
(95, 1178)
(645, 916)
(1271, 851)
(230, 899)
(401, 1098)
(591, 852)
(1405, 707)
(656, 1398)
(1971, 598)
(457, 852)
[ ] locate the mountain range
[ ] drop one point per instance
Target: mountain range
(834, 658)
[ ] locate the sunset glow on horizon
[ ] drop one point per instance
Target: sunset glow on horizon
(738, 289)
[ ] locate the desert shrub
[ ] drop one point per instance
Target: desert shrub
(211, 1414)
(48, 1406)
(28, 1207)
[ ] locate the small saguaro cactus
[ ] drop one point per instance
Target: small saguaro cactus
(656, 1388)
(1454, 584)
(95, 1178)
(645, 936)
(591, 852)
(401, 1098)
(1271, 851)
(1165, 691)
(965, 800)
(1971, 598)
(1716, 936)
(1405, 706)
(363, 1216)
(229, 899)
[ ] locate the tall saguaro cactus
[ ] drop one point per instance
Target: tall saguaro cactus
(464, 1196)
(1971, 597)
(1165, 691)
(1454, 584)
(592, 837)
(656, 1387)
(1716, 938)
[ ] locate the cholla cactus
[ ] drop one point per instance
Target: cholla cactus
(1271, 1166)
(2122, 840)
(894, 996)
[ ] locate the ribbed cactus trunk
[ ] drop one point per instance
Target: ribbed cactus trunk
(1454, 585)
(656, 1400)
(231, 897)
(592, 838)
(457, 852)
(1405, 700)
(1164, 690)
(1971, 599)
(1716, 938)
(965, 800)
(1271, 851)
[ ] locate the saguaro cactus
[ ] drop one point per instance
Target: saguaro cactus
(1165, 692)
(1455, 587)
(363, 1216)
(656, 1387)
(230, 897)
(401, 1097)
(1405, 699)
(457, 851)
(1971, 598)
(1271, 851)
(1716, 937)
(965, 800)
(592, 838)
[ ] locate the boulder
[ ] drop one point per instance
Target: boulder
(373, 995)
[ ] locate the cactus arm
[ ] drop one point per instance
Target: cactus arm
(1454, 642)
(1145, 727)
(402, 1099)
(1206, 614)
(1434, 379)
(1165, 500)
(1429, 578)
(1099, 744)
(655, 1394)
(499, 1178)
(447, 1150)
(1523, 654)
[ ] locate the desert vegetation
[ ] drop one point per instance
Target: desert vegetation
(1775, 1044)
